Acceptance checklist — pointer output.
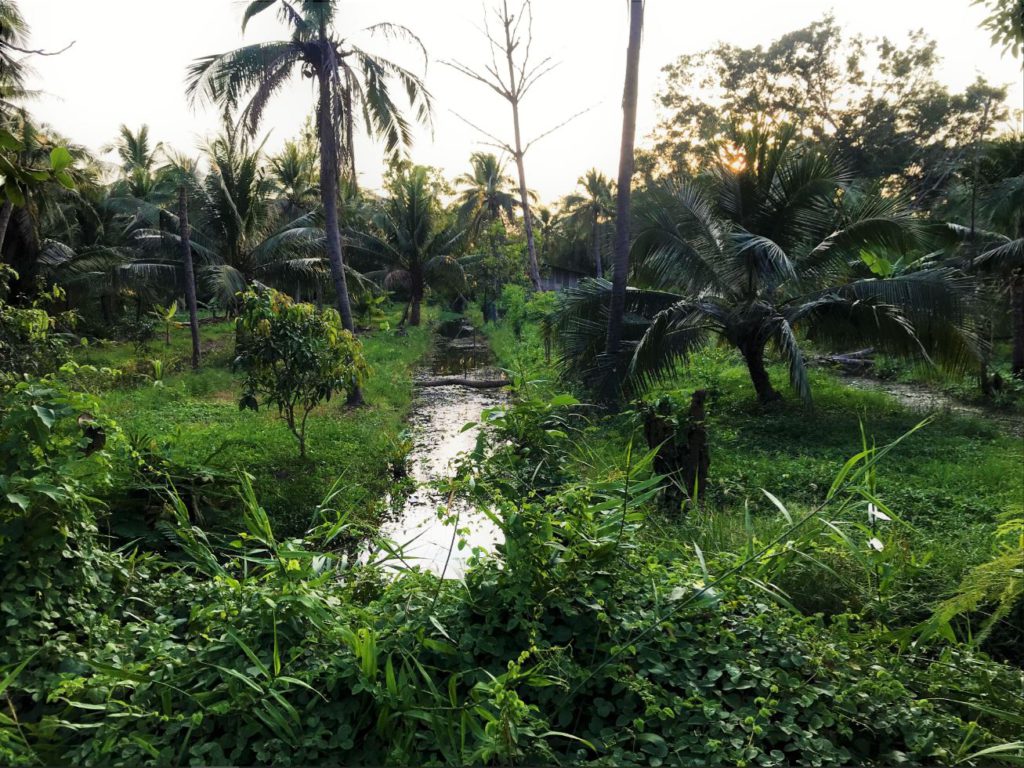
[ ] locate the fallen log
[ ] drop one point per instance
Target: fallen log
(472, 383)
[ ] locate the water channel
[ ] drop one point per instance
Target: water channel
(426, 534)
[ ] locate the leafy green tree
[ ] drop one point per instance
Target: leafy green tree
(413, 238)
(876, 103)
(294, 357)
(755, 255)
(349, 79)
(594, 208)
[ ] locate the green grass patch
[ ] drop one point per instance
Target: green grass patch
(197, 413)
(948, 482)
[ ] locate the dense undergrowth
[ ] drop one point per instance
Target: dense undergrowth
(762, 630)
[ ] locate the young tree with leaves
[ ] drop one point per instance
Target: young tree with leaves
(294, 357)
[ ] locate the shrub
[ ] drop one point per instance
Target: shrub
(294, 356)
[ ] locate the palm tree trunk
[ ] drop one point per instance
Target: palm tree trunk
(5, 220)
(328, 130)
(617, 305)
(329, 199)
(753, 355)
(416, 299)
(1017, 315)
(414, 315)
(190, 275)
(596, 246)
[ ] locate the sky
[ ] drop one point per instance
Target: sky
(129, 58)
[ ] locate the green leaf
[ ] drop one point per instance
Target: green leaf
(65, 180)
(563, 401)
(46, 415)
(19, 500)
(255, 7)
(8, 141)
(60, 159)
(14, 194)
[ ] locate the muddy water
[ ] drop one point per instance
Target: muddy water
(928, 400)
(426, 527)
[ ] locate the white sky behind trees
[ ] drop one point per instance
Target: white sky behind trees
(129, 60)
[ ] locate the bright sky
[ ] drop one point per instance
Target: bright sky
(128, 66)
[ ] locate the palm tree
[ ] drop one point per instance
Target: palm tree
(486, 193)
(486, 201)
(595, 207)
(773, 251)
(14, 33)
(140, 177)
(239, 235)
(547, 223)
(412, 238)
(348, 77)
(1003, 249)
(295, 180)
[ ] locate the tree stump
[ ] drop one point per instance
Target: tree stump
(683, 455)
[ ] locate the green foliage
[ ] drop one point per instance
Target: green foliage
(294, 357)
(876, 103)
(765, 254)
(574, 644)
(166, 315)
(990, 599)
(20, 175)
(28, 339)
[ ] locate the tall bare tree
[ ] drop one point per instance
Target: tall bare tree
(511, 53)
(625, 186)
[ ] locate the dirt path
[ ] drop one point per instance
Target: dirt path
(924, 399)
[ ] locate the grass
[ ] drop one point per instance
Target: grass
(197, 414)
(948, 482)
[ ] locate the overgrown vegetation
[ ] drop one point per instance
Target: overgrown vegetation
(759, 581)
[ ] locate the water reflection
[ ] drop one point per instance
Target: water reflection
(437, 420)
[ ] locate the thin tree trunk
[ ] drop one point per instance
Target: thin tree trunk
(524, 195)
(5, 219)
(329, 194)
(753, 355)
(1017, 315)
(328, 130)
(627, 165)
(417, 299)
(595, 245)
(190, 275)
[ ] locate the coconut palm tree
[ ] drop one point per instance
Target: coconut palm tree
(547, 223)
(412, 238)
(295, 180)
(770, 252)
(349, 80)
(14, 31)
(486, 193)
(594, 208)
(238, 235)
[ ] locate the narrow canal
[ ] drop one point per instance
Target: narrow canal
(428, 530)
